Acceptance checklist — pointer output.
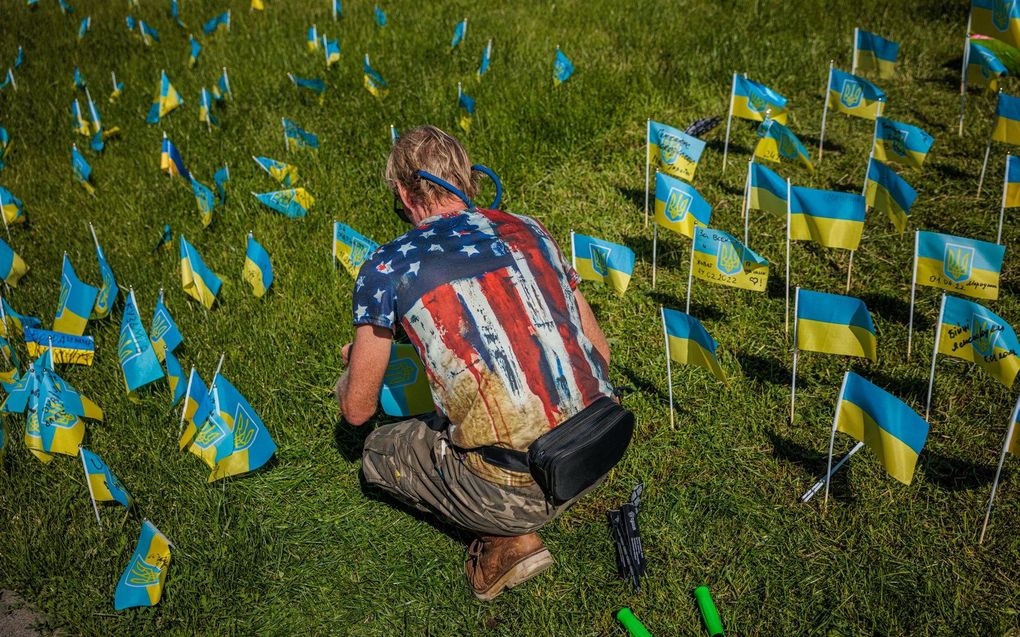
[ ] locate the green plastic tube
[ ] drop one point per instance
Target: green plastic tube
(708, 612)
(631, 623)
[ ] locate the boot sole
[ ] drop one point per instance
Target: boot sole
(519, 573)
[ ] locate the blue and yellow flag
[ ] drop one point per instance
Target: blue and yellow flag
(984, 68)
(887, 192)
(78, 79)
(679, 206)
(9, 80)
(198, 281)
(1007, 120)
(834, 324)
(336, 9)
(170, 160)
(196, 50)
(380, 17)
(483, 66)
(875, 53)
(205, 200)
(107, 296)
(767, 190)
(164, 334)
(466, 105)
(331, 51)
(247, 444)
(165, 239)
(221, 89)
(11, 207)
(5, 146)
(459, 31)
(973, 333)
(217, 23)
(563, 68)
(175, 377)
(67, 348)
(205, 109)
(76, 302)
(312, 39)
(81, 170)
(315, 85)
(12, 266)
(405, 390)
(721, 258)
(59, 430)
(752, 100)
(689, 343)
(258, 271)
(776, 143)
(299, 137)
(220, 177)
(118, 88)
(196, 408)
(602, 261)
(78, 122)
(103, 485)
(963, 266)
(166, 99)
(148, 33)
(351, 248)
(374, 82)
(19, 57)
(138, 359)
(999, 19)
(1011, 196)
(293, 202)
(286, 174)
(854, 95)
(896, 142)
(891, 429)
(19, 321)
(141, 584)
(830, 218)
(673, 151)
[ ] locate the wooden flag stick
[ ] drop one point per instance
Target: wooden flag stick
(825, 112)
(934, 355)
(913, 292)
(729, 120)
(832, 438)
(998, 472)
(669, 367)
(648, 163)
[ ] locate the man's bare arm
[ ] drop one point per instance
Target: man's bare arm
(590, 326)
(357, 391)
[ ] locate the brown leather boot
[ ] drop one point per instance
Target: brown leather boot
(496, 563)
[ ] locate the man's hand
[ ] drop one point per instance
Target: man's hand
(366, 359)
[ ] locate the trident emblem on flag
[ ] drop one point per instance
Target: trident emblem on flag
(1002, 11)
(677, 205)
(851, 94)
(985, 333)
(727, 260)
(600, 259)
(957, 262)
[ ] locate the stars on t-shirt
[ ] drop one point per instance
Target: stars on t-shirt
(360, 311)
(413, 268)
(469, 250)
(405, 248)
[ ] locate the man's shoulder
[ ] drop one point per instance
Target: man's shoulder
(393, 250)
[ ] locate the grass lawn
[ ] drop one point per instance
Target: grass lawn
(298, 547)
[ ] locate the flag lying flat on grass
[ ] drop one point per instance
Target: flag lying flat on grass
(380, 16)
(141, 584)
(673, 151)
(405, 390)
(887, 192)
(258, 271)
(198, 281)
(720, 258)
(973, 333)
(66, 348)
(459, 31)
(827, 217)
(776, 143)
(81, 170)
(103, 484)
(293, 202)
(688, 343)
(166, 99)
(138, 360)
(77, 299)
(602, 261)
(563, 68)
(984, 68)
(679, 206)
(299, 137)
(875, 53)
(751, 100)
(217, 23)
(963, 266)
(286, 174)
(884, 423)
(896, 142)
(998, 19)
(11, 207)
(834, 324)
(374, 82)
(164, 334)
(1007, 120)
(12, 266)
(351, 248)
(767, 190)
(854, 95)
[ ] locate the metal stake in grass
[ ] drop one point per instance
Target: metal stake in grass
(1006, 444)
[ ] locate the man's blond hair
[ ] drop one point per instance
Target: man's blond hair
(434, 151)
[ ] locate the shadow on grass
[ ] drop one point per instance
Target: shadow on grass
(892, 308)
(634, 196)
(373, 492)
(700, 310)
(775, 287)
(812, 463)
(642, 385)
(951, 171)
(719, 145)
(831, 145)
(764, 369)
(954, 474)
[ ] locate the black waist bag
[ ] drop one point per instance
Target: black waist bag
(574, 455)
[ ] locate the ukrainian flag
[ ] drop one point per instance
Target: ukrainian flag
(5, 145)
(138, 360)
(103, 485)
(776, 143)
(217, 23)
(483, 66)
(1007, 120)
(768, 190)
(205, 109)
(20, 321)
(293, 202)
(167, 99)
(673, 151)
(459, 31)
(312, 40)
(331, 49)
(12, 266)
(82, 170)
(258, 271)
(174, 376)
(164, 334)
(196, 50)
(832, 219)
(751, 100)
(884, 423)
(141, 584)
(315, 85)
(984, 68)
(896, 142)
(854, 95)
(76, 302)
(171, 162)
(196, 407)
(221, 177)
(198, 281)
(11, 207)
(59, 430)
(405, 390)
(973, 333)
(466, 104)
(689, 343)
(721, 258)
(248, 444)
(563, 68)
(1012, 198)
(679, 206)
(351, 248)
(380, 16)
(298, 136)
(118, 88)
(165, 239)
(286, 174)
(205, 200)
(67, 348)
(221, 90)
(79, 80)
(875, 53)
(887, 192)
(149, 33)
(834, 324)
(962, 266)
(598, 260)
(999, 19)
(78, 120)
(374, 82)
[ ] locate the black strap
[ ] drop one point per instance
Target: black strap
(509, 459)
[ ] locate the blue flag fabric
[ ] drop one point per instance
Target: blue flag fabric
(563, 68)
(138, 360)
(141, 584)
(164, 334)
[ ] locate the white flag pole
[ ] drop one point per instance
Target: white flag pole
(1002, 208)
(1002, 457)
(286, 141)
(669, 366)
(729, 120)
(332, 245)
(573, 255)
(690, 272)
(816, 487)
(184, 403)
(648, 163)
(853, 66)
(788, 216)
(655, 249)
(796, 356)
(747, 204)
(92, 496)
(934, 355)
(825, 112)
(832, 438)
(963, 75)
(913, 293)
(988, 150)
